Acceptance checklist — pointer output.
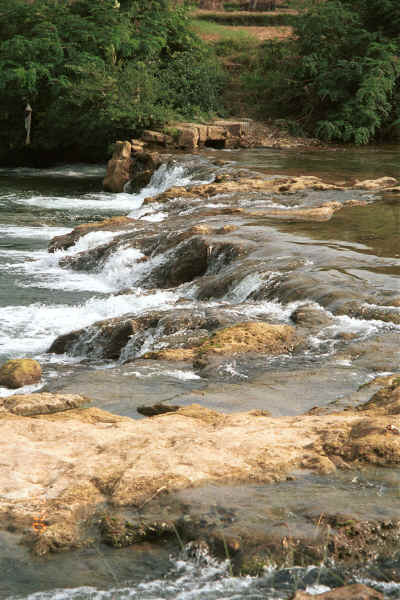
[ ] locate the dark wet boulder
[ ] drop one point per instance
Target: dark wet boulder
(88, 260)
(177, 329)
(188, 261)
(310, 315)
(193, 258)
(142, 167)
(157, 409)
(104, 339)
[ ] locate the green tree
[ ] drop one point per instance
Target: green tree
(95, 70)
(339, 77)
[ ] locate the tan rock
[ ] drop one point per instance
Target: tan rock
(126, 462)
(137, 146)
(225, 185)
(376, 184)
(226, 229)
(216, 133)
(174, 354)
(233, 128)
(118, 168)
(357, 591)
(188, 138)
(320, 213)
(202, 129)
(19, 372)
(251, 337)
(41, 404)
(153, 137)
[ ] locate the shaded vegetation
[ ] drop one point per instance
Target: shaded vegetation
(95, 71)
(338, 77)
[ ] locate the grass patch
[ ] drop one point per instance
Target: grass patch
(235, 39)
(249, 19)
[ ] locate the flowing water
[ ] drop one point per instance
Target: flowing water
(347, 267)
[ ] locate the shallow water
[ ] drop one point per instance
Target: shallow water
(354, 257)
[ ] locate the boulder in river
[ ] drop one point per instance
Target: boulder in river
(19, 372)
(118, 168)
(142, 167)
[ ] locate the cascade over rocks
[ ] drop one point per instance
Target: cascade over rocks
(130, 163)
(179, 335)
(182, 334)
(63, 242)
(130, 463)
(186, 255)
(142, 167)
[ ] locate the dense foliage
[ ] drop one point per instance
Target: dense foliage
(97, 70)
(339, 78)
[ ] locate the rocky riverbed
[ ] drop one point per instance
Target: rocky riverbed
(254, 315)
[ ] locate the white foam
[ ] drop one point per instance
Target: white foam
(120, 270)
(149, 372)
(30, 330)
(156, 217)
(41, 232)
(101, 201)
(273, 308)
(73, 170)
(165, 177)
(26, 389)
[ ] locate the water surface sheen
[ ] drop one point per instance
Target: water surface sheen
(353, 259)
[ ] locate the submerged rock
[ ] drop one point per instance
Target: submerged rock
(19, 372)
(311, 315)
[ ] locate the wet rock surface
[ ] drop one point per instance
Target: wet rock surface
(130, 463)
(253, 316)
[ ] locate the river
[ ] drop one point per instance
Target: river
(354, 258)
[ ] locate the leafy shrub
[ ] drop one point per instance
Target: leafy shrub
(95, 71)
(339, 76)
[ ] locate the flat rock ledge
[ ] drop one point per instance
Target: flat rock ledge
(63, 465)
